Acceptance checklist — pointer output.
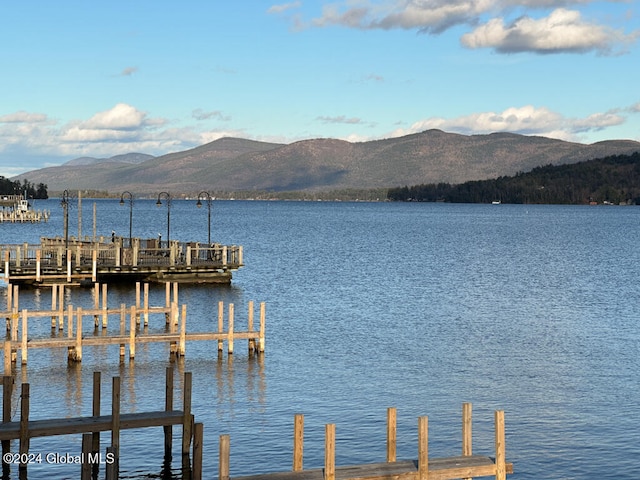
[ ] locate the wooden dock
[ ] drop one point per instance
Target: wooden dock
(77, 337)
(71, 261)
(90, 426)
(16, 209)
(464, 466)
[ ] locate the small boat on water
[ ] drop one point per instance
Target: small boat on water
(16, 208)
(496, 202)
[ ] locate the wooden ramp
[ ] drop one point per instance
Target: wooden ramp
(465, 466)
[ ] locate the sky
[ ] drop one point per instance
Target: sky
(99, 79)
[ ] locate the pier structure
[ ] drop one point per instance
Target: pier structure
(16, 209)
(91, 456)
(83, 262)
(465, 466)
(77, 337)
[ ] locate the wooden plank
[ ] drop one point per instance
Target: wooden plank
(103, 423)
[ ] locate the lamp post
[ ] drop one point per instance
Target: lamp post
(130, 195)
(199, 205)
(65, 208)
(159, 203)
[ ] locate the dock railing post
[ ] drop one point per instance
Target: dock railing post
(168, 406)
(220, 324)
(263, 321)
(223, 464)
(187, 421)
(24, 426)
(230, 330)
(391, 434)
(423, 448)
(467, 447)
(38, 254)
(298, 442)
(330, 451)
(501, 469)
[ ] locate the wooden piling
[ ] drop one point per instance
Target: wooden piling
(96, 304)
(54, 318)
(467, 448)
(423, 448)
(95, 410)
(187, 421)
(104, 306)
(330, 451)
(7, 357)
(298, 442)
(501, 470)
(168, 406)
(123, 317)
(137, 303)
(230, 330)
(223, 463)
(146, 304)
(7, 392)
(24, 424)
(220, 324)
(115, 423)
(132, 333)
(391, 434)
(198, 434)
(86, 471)
(252, 340)
(182, 347)
(263, 322)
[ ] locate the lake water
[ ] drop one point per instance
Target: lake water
(530, 309)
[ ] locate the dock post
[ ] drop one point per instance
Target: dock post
(61, 306)
(467, 448)
(78, 352)
(24, 426)
(132, 333)
(9, 304)
(298, 442)
(137, 303)
(168, 406)
(183, 331)
(123, 317)
(220, 324)
(6, 266)
(24, 339)
(501, 469)
(167, 301)
(187, 421)
(198, 434)
(223, 464)
(94, 265)
(391, 434)
(146, 304)
(96, 303)
(54, 318)
(263, 321)
(230, 332)
(423, 448)
(115, 425)
(104, 306)
(252, 341)
(7, 391)
(86, 471)
(38, 253)
(95, 436)
(330, 451)
(7, 357)
(69, 266)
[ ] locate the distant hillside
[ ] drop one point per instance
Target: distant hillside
(234, 164)
(613, 180)
(126, 158)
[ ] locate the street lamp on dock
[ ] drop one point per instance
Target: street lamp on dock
(158, 204)
(130, 195)
(209, 198)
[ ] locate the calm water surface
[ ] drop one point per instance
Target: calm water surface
(530, 309)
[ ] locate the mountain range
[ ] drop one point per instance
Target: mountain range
(235, 164)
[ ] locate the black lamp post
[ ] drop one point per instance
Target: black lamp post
(159, 203)
(65, 207)
(130, 195)
(199, 205)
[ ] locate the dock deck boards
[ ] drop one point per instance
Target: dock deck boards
(439, 469)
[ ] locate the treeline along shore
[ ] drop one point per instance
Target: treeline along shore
(610, 180)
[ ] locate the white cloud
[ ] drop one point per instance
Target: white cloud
(340, 119)
(127, 72)
(562, 31)
(120, 117)
(284, 7)
(526, 120)
(200, 114)
(24, 117)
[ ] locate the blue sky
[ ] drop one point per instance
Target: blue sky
(99, 79)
